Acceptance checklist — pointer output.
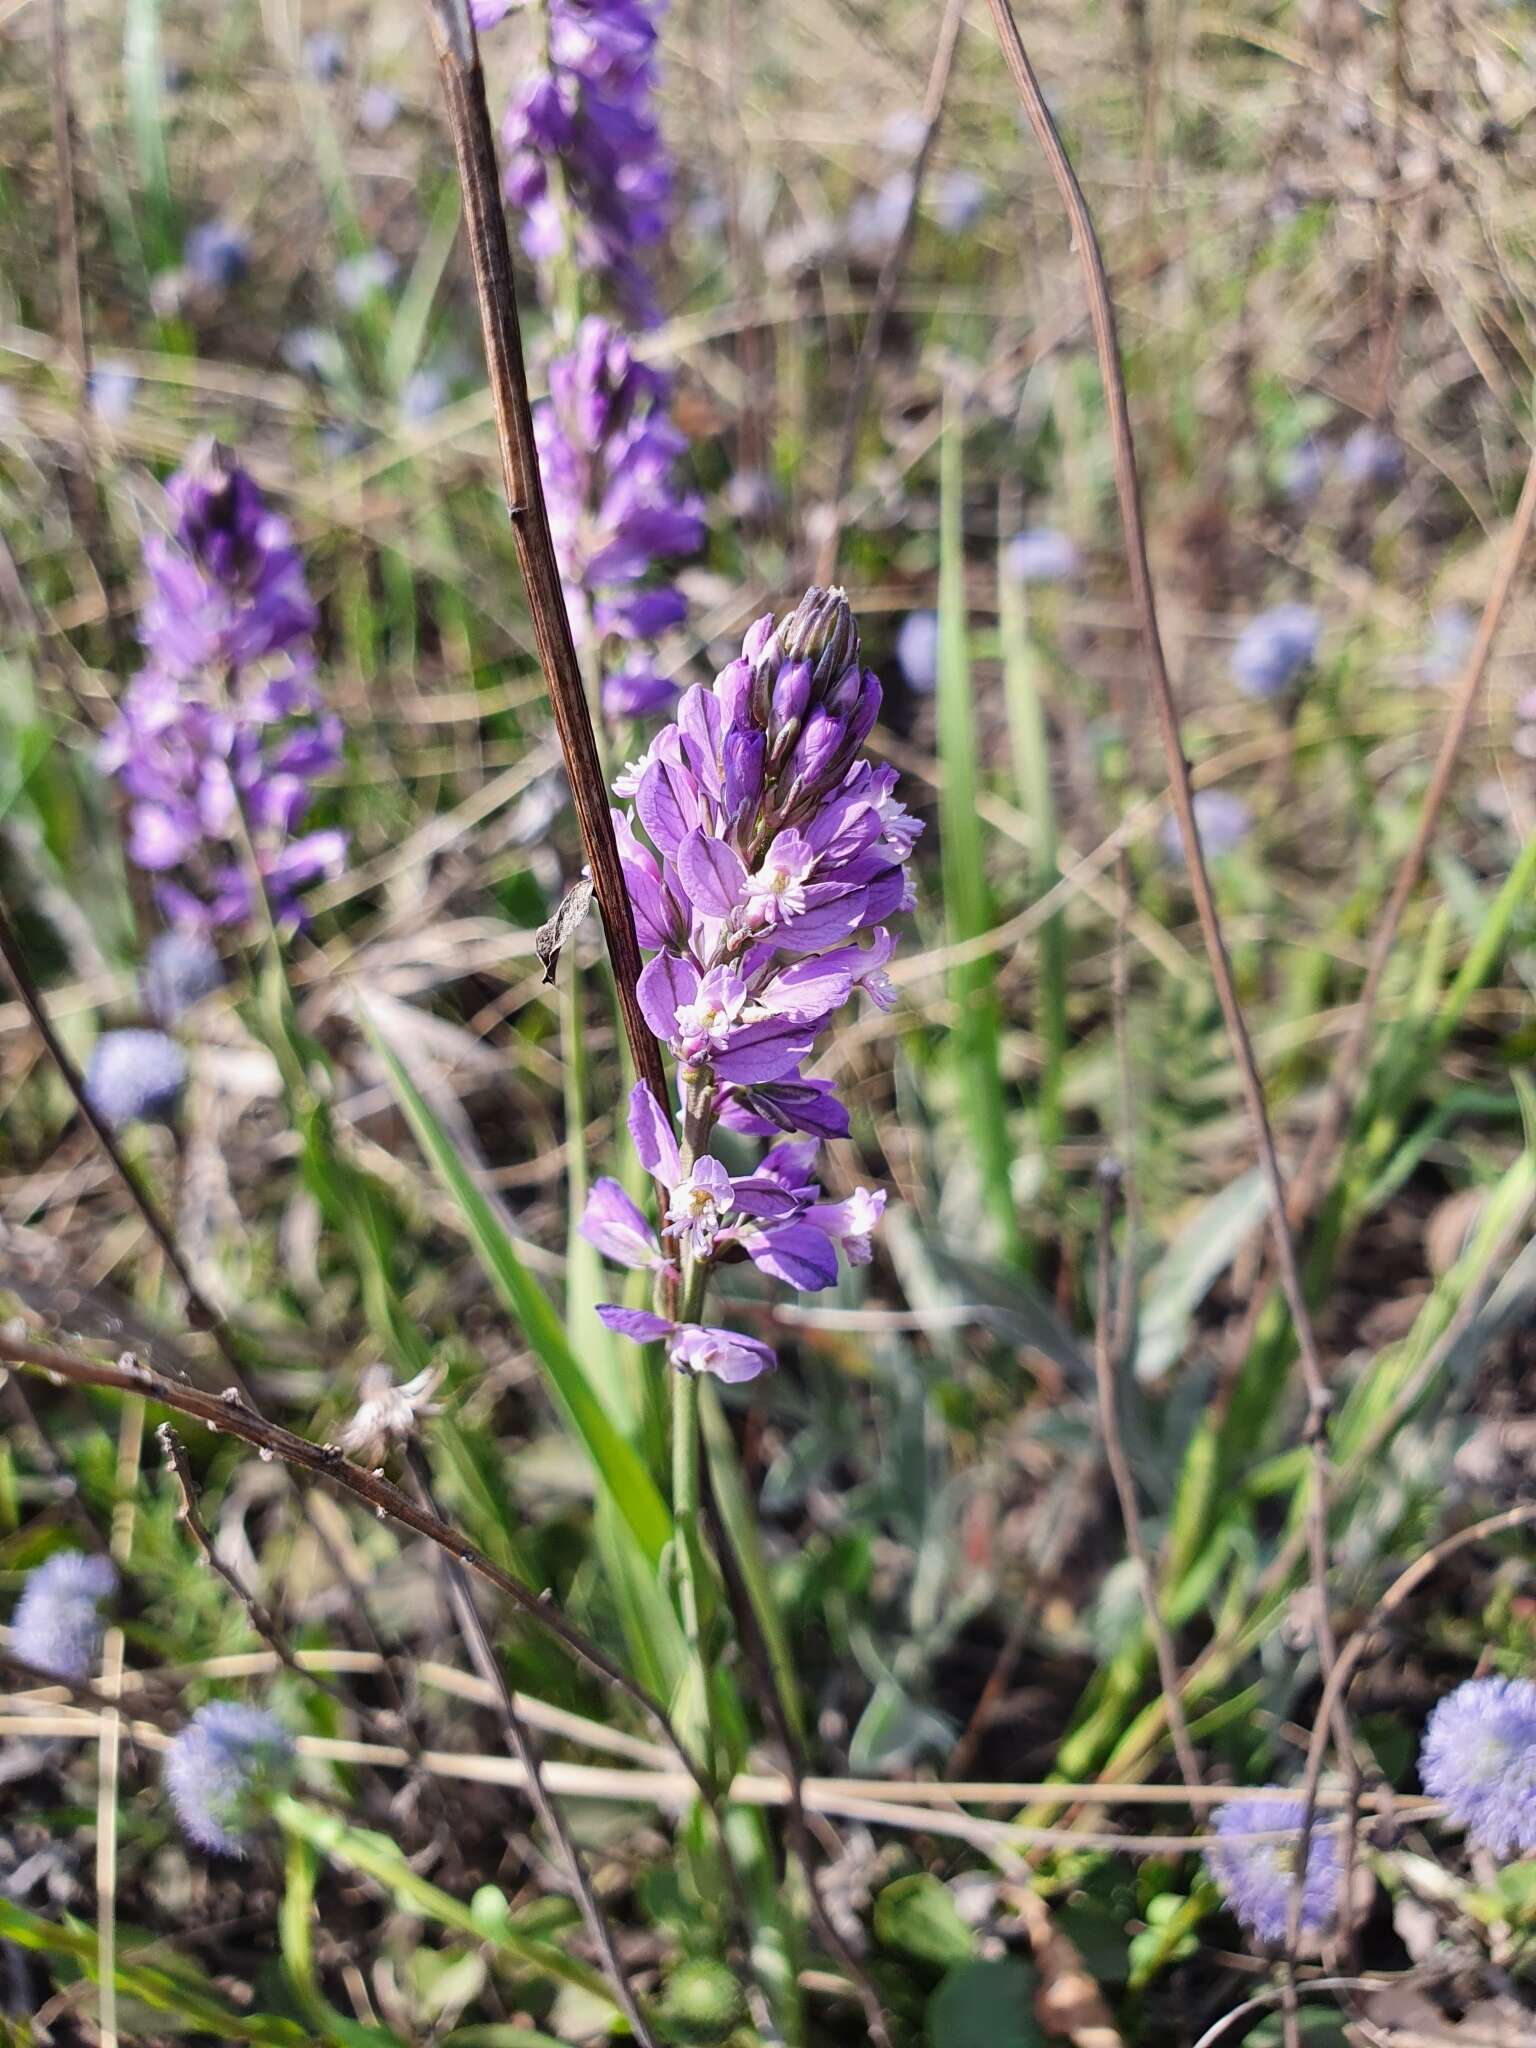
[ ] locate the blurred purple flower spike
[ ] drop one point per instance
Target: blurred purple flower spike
(1371, 456)
(1257, 1879)
(917, 651)
(223, 734)
(57, 1623)
(216, 255)
(1224, 821)
(608, 454)
(588, 111)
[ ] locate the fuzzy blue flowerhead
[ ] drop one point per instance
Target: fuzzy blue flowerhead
(56, 1626)
(218, 1769)
(180, 968)
(1479, 1756)
(1274, 648)
(1224, 821)
(1257, 1878)
(134, 1076)
(1041, 555)
(917, 651)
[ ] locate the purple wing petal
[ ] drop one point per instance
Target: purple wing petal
(796, 1253)
(638, 1323)
(652, 1134)
(665, 985)
(712, 874)
(618, 1229)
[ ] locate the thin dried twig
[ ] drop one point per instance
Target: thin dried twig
(1105, 1363)
(469, 123)
(200, 1311)
(1128, 492)
(885, 291)
(1344, 1081)
(232, 1415)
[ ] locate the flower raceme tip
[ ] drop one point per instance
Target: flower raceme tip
(218, 1768)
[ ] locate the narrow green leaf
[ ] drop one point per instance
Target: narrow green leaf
(967, 902)
(617, 1465)
(376, 1856)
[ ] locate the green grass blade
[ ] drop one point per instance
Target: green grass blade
(967, 902)
(376, 1856)
(617, 1465)
(1030, 747)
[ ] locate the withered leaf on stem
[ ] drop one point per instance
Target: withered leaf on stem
(555, 931)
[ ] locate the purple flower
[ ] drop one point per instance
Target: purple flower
(325, 56)
(1041, 555)
(772, 1214)
(1224, 821)
(1301, 472)
(1479, 1756)
(217, 255)
(378, 110)
(1452, 631)
(134, 1076)
(56, 1626)
(917, 650)
(608, 455)
(1274, 648)
(220, 1767)
(694, 1347)
(111, 389)
(180, 968)
(222, 736)
(959, 200)
(876, 219)
(358, 278)
(1257, 1879)
(1371, 456)
(586, 114)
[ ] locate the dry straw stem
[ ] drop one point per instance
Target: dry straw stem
(469, 123)
(669, 1790)
(1105, 1365)
(886, 289)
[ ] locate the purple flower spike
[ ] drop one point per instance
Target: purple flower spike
(1257, 1878)
(608, 454)
(694, 1347)
(57, 1626)
(1479, 1756)
(1274, 648)
(222, 736)
(218, 1769)
(586, 115)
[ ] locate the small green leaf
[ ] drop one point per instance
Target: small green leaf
(917, 1916)
(985, 2005)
